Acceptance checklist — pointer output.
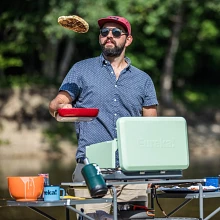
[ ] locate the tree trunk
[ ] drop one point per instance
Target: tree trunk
(167, 73)
(49, 62)
(66, 59)
(2, 76)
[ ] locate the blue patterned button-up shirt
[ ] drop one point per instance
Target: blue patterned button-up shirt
(92, 84)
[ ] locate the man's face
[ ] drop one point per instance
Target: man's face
(111, 45)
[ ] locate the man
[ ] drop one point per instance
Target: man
(108, 82)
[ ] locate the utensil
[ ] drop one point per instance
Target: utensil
(76, 114)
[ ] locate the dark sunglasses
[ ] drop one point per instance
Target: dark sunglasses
(115, 32)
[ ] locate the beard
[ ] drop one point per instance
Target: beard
(112, 52)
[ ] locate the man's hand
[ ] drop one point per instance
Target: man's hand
(61, 106)
(62, 100)
(65, 106)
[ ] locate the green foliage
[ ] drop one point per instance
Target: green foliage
(19, 36)
(4, 142)
(26, 80)
(9, 62)
(208, 31)
(51, 28)
(198, 98)
(29, 28)
(186, 68)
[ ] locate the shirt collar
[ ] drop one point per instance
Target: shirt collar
(103, 61)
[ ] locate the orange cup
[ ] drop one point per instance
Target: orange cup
(25, 188)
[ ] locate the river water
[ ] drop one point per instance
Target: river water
(60, 171)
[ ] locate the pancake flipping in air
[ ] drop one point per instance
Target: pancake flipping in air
(74, 23)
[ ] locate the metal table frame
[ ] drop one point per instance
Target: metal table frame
(67, 203)
(35, 205)
(189, 197)
(70, 202)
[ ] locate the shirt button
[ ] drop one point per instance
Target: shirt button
(116, 86)
(115, 114)
(115, 100)
(112, 72)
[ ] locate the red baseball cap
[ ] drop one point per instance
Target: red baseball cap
(116, 19)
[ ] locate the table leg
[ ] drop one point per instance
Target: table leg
(152, 196)
(213, 213)
(201, 201)
(79, 212)
(115, 208)
(67, 214)
(179, 207)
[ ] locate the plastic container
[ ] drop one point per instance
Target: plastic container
(212, 181)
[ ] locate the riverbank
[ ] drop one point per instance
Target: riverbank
(24, 118)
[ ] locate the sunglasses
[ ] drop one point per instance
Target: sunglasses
(115, 32)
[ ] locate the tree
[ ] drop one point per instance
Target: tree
(171, 46)
(168, 67)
